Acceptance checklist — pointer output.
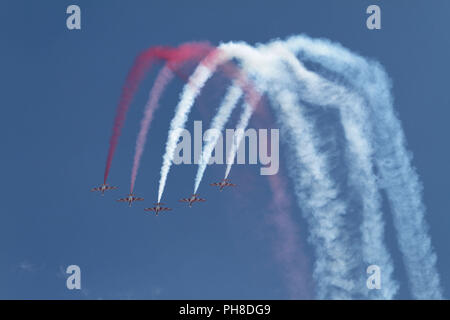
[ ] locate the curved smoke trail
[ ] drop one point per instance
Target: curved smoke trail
(288, 245)
(239, 134)
(142, 64)
(399, 178)
(218, 123)
(324, 212)
(161, 81)
(289, 251)
(187, 98)
(232, 97)
(375, 155)
(240, 51)
(190, 91)
(319, 198)
(359, 151)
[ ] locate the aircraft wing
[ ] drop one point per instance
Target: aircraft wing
(166, 209)
(215, 184)
(230, 184)
(184, 200)
(95, 189)
(200, 200)
(138, 199)
(122, 200)
(149, 209)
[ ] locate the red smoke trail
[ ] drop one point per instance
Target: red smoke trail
(163, 78)
(252, 96)
(142, 64)
(165, 75)
(289, 247)
(290, 251)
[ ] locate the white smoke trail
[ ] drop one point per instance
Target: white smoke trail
(239, 134)
(318, 196)
(359, 155)
(316, 193)
(399, 179)
(190, 91)
(232, 97)
(326, 213)
(161, 81)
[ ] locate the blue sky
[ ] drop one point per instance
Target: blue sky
(59, 93)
